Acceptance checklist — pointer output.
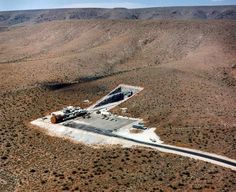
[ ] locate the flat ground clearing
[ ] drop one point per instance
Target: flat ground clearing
(109, 123)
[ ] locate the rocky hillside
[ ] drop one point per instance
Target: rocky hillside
(187, 69)
(39, 16)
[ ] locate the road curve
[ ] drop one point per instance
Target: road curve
(200, 155)
(196, 154)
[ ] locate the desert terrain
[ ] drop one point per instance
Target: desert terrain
(187, 69)
(185, 13)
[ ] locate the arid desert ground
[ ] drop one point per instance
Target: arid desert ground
(187, 69)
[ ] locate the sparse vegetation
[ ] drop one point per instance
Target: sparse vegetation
(183, 67)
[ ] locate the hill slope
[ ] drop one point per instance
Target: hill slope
(187, 69)
(39, 16)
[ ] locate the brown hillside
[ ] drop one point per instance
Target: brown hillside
(187, 69)
(25, 17)
(68, 51)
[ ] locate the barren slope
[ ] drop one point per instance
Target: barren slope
(9, 18)
(186, 67)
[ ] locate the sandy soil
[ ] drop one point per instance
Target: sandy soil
(188, 74)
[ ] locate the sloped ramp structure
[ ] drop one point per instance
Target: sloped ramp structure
(117, 96)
